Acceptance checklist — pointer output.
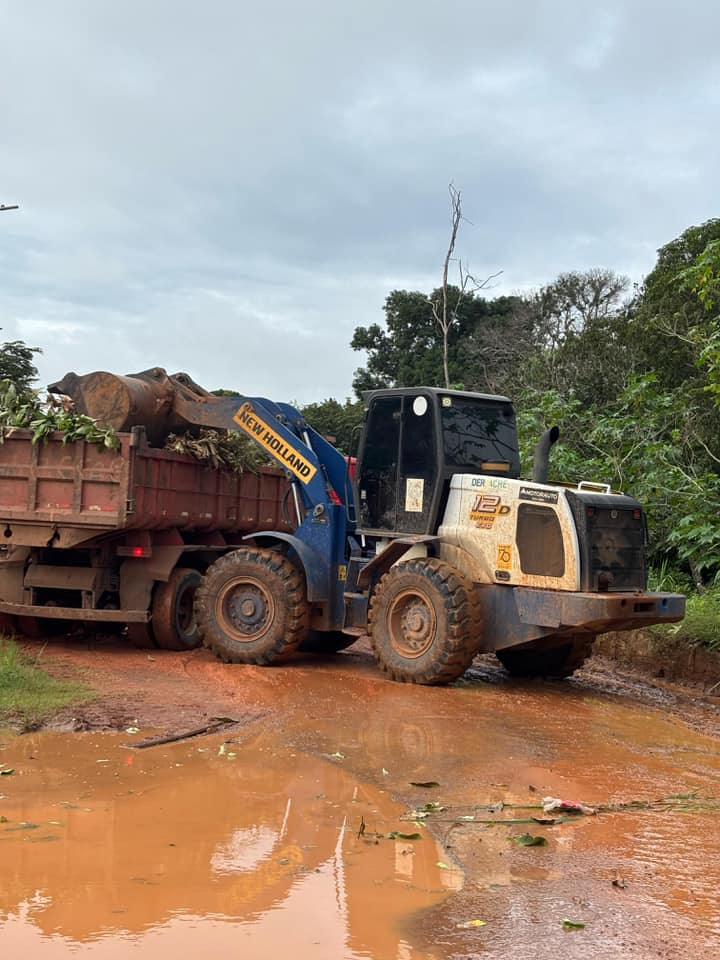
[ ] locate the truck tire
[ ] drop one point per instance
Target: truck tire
(8, 625)
(425, 623)
(326, 641)
(173, 613)
(251, 607)
(554, 663)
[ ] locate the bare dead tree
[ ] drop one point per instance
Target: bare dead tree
(446, 315)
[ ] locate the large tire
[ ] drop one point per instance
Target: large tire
(554, 663)
(39, 628)
(173, 614)
(141, 635)
(425, 624)
(251, 607)
(326, 641)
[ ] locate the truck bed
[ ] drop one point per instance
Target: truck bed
(86, 492)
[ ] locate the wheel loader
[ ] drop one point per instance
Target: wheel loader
(436, 547)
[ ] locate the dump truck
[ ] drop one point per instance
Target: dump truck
(119, 537)
(436, 548)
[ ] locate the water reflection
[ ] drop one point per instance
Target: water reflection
(176, 850)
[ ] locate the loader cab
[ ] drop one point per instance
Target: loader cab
(414, 441)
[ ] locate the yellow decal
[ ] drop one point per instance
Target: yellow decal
(486, 508)
(342, 572)
(504, 556)
(263, 434)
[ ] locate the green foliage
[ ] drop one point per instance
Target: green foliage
(16, 363)
(702, 620)
(338, 422)
(27, 694)
(25, 409)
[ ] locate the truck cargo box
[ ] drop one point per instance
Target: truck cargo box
(76, 492)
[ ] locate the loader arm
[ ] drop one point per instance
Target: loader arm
(315, 467)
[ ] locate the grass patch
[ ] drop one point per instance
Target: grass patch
(28, 695)
(702, 621)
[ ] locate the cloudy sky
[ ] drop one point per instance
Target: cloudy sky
(231, 188)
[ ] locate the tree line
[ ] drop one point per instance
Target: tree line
(631, 375)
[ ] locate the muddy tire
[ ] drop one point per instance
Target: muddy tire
(141, 635)
(251, 607)
(555, 663)
(8, 625)
(173, 611)
(425, 624)
(38, 628)
(326, 641)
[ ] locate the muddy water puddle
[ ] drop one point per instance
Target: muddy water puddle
(238, 848)
(508, 746)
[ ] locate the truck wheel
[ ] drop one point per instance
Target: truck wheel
(251, 607)
(141, 636)
(35, 628)
(553, 664)
(425, 623)
(326, 641)
(8, 625)
(173, 614)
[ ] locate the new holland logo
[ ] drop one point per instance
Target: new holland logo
(263, 434)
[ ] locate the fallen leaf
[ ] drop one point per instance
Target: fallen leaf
(443, 866)
(425, 784)
(619, 882)
(471, 923)
(6, 773)
(4, 820)
(337, 756)
(528, 840)
(396, 835)
(132, 730)
(572, 924)
(385, 772)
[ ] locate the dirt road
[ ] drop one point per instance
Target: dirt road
(264, 838)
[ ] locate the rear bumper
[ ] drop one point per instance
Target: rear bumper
(597, 612)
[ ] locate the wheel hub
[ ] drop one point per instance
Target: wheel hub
(413, 624)
(247, 610)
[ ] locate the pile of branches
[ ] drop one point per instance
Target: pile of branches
(44, 415)
(225, 451)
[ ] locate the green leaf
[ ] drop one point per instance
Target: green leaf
(572, 924)
(471, 923)
(396, 835)
(528, 840)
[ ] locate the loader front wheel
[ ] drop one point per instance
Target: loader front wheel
(425, 623)
(251, 607)
(555, 663)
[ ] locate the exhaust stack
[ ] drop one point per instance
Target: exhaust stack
(541, 456)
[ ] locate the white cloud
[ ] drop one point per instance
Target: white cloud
(231, 189)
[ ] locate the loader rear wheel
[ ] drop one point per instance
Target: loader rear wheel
(425, 624)
(326, 641)
(173, 614)
(251, 607)
(554, 663)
